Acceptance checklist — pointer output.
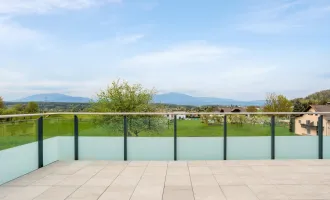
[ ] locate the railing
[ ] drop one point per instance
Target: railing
(29, 144)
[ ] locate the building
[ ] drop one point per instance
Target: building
(230, 109)
(178, 116)
(307, 124)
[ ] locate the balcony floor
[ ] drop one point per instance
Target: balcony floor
(195, 180)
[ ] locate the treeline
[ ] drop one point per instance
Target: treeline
(27, 108)
(54, 106)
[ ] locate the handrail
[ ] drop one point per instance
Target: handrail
(163, 113)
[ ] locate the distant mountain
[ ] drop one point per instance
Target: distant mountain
(54, 97)
(183, 99)
(169, 98)
(321, 97)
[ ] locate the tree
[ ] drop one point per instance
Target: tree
(19, 108)
(2, 103)
(32, 107)
(277, 103)
(251, 109)
(122, 97)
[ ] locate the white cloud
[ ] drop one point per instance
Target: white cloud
(42, 6)
(196, 68)
(12, 33)
(281, 16)
(196, 52)
(128, 39)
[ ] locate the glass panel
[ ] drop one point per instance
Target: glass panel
(245, 148)
(326, 137)
(303, 140)
(18, 148)
(101, 137)
(248, 137)
(200, 137)
(326, 147)
(150, 138)
(58, 138)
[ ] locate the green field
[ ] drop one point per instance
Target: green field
(25, 131)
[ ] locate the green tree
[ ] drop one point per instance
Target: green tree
(251, 109)
(277, 103)
(2, 103)
(123, 97)
(18, 108)
(32, 107)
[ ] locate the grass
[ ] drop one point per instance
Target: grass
(22, 132)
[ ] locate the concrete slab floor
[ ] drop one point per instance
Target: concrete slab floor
(158, 180)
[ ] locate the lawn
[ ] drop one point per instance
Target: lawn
(22, 132)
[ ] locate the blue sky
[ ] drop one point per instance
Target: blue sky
(240, 49)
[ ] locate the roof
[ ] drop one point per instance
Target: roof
(228, 109)
(320, 108)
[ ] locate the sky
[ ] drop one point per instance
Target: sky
(239, 49)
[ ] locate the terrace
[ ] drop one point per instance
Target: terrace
(67, 156)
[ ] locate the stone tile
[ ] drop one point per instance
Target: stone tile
(180, 171)
(26, 193)
(138, 163)
(152, 181)
(126, 181)
(254, 180)
(268, 192)
(158, 164)
(57, 193)
(148, 193)
(232, 163)
(51, 180)
(197, 163)
(200, 171)
(215, 163)
(9, 190)
(68, 170)
(99, 163)
(177, 164)
(27, 179)
(133, 171)
(242, 170)
(272, 169)
(155, 171)
(281, 178)
(73, 181)
(178, 181)
(89, 171)
(87, 193)
(228, 179)
(117, 193)
(203, 180)
(220, 170)
(305, 191)
(100, 181)
(208, 192)
(110, 171)
(178, 193)
(238, 193)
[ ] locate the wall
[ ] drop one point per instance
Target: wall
(313, 118)
(20, 160)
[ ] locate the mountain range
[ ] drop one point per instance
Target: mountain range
(53, 97)
(168, 98)
(184, 99)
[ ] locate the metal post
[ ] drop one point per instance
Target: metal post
(76, 135)
(225, 137)
(175, 138)
(40, 143)
(320, 134)
(272, 137)
(125, 137)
